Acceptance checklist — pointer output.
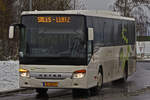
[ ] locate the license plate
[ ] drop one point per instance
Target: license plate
(50, 84)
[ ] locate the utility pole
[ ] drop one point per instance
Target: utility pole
(74, 4)
(30, 5)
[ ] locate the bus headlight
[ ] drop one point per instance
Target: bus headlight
(24, 73)
(79, 74)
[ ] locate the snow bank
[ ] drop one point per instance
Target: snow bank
(9, 75)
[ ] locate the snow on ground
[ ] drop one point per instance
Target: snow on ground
(9, 75)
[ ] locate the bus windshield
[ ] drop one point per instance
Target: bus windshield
(53, 36)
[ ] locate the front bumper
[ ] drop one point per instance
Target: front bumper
(67, 82)
(64, 83)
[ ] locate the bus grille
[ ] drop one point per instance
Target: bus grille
(51, 75)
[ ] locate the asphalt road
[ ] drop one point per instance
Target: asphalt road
(137, 87)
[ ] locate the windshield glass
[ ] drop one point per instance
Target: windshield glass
(53, 36)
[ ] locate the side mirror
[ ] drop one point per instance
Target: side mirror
(90, 34)
(11, 32)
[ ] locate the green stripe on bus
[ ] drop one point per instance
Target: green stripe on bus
(122, 55)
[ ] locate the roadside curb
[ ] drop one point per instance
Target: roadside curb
(143, 60)
(12, 91)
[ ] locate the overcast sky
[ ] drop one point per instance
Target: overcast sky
(100, 4)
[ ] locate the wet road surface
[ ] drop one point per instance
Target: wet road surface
(137, 87)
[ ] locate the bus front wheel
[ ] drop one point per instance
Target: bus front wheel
(125, 74)
(80, 92)
(96, 89)
(41, 91)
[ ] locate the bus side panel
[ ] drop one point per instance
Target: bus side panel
(113, 46)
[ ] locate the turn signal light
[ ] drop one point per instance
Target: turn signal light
(80, 71)
(23, 70)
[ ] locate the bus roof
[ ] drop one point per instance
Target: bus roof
(97, 13)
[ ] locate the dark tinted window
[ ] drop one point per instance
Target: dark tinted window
(125, 32)
(108, 32)
(98, 29)
(113, 31)
(117, 38)
(131, 27)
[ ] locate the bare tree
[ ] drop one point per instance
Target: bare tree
(135, 8)
(6, 18)
(44, 4)
(78, 4)
(23, 5)
(125, 6)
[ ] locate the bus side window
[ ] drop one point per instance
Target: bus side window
(131, 28)
(97, 24)
(116, 35)
(125, 33)
(119, 33)
(108, 32)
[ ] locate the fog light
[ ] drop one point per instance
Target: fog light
(24, 73)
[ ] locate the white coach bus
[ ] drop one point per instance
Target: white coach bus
(78, 50)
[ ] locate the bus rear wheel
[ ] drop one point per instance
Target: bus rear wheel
(125, 75)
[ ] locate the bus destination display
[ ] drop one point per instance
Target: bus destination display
(50, 19)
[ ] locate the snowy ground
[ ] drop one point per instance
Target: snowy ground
(9, 75)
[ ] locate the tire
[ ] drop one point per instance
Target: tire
(41, 91)
(80, 92)
(95, 90)
(125, 75)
